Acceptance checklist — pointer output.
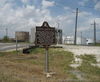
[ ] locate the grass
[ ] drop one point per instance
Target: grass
(8, 78)
(37, 51)
(30, 67)
(25, 67)
(97, 44)
(1, 55)
(92, 72)
(88, 58)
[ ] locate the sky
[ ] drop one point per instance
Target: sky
(22, 15)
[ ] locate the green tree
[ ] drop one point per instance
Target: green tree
(5, 39)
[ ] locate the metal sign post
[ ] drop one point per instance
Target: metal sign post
(46, 60)
(16, 46)
(45, 36)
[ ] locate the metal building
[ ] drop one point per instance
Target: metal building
(32, 35)
(22, 36)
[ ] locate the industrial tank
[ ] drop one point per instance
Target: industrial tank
(70, 40)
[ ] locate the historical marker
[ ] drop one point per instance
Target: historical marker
(45, 36)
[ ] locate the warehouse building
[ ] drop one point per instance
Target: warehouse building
(22, 36)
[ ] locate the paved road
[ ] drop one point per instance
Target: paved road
(11, 46)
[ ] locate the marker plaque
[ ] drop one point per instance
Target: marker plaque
(45, 35)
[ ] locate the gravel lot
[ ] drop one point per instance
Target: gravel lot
(81, 50)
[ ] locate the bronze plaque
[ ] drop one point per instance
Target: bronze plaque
(45, 35)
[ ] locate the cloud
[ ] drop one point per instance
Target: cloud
(24, 1)
(97, 6)
(24, 18)
(67, 8)
(47, 4)
(96, 2)
(83, 2)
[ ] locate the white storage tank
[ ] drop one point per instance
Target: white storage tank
(70, 40)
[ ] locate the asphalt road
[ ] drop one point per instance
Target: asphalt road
(12, 46)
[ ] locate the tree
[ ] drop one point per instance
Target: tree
(5, 39)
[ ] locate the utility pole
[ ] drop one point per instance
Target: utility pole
(75, 37)
(58, 34)
(81, 38)
(94, 24)
(94, 32)
(16, 45)
(6, 32)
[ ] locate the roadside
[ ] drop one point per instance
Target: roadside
(30, 67)
(12, 46)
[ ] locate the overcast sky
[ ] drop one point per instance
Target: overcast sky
(22, 15)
